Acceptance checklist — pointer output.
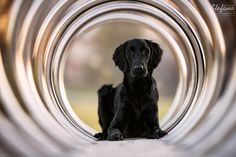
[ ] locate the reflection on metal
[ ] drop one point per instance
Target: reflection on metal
(35, 116)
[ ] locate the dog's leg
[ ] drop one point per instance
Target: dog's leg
(118, 124)
(105, 104)
(154, 130)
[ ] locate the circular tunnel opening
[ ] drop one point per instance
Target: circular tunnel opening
(89, 65)
(82, 61)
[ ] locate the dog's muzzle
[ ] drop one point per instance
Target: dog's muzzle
(139, 70)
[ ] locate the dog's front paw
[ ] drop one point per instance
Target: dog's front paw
(115, 135)
(157, 134)
(100, 136)
(160, 133)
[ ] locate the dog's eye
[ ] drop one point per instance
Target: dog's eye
(145, 52)
(131, 52)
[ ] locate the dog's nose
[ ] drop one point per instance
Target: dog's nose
(138, 68)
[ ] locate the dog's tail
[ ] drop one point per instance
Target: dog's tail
(106, 91)
(105, 106)
(106, 99)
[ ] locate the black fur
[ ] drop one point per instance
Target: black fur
(130, 109)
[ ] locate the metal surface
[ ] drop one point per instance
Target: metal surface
(35, 116)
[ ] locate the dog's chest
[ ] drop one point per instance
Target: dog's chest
(138, 106)
(137, 125)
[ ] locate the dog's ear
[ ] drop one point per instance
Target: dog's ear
(156, 53)
(119, 57)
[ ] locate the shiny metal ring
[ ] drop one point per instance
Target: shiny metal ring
(35, 114)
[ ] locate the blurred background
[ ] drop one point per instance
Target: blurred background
(89, 65)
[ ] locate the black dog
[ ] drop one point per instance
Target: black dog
(130, 109)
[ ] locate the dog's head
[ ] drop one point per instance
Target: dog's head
(138, 57)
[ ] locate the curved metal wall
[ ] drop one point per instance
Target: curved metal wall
(35, 116)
